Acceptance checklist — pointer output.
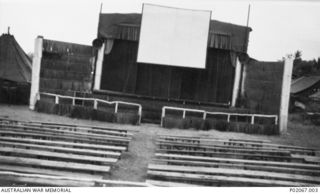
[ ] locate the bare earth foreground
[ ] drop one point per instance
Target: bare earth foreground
(133, 164)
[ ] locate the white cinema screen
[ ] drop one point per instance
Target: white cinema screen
(172, 36)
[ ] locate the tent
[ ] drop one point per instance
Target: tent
(15, 71)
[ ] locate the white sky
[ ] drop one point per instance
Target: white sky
(279, 28)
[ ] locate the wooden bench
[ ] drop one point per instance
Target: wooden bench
(236, 173)
(220, 180)
(179, 146)
(232, 154)
(195, 138)
(72, 129)
(231, 160)
(62, 137)
(234, 165)
(58, 155)
(54, 164)
(66, 181)
(78, 151)
(43, 180)
(242, 145)
(82, 146)
(63, 132)
(240, 142)
(52, 124)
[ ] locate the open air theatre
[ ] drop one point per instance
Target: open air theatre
(230, 91)
(177, 68)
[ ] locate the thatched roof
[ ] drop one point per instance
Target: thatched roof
(15, 65)
(303, 83)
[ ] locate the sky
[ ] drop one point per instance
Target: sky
(278, 27)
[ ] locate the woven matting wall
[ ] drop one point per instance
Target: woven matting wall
(263, 86)
(47, 106)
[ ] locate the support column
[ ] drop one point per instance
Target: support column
(236, 83)
(36, 65)
(285, 95)
(97, 78)
(243, 80)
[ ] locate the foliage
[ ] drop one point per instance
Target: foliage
(304, 67)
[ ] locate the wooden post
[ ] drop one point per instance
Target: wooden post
(36, 66)
(99, 63)
(140, 114)
(252, 119)
(116, 108)
(285, 95)
(95, 104)
(162, 115)
(236, 83)
(204, 115)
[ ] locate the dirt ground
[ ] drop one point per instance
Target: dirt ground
(133, 164)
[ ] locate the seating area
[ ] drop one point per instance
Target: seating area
(191, 161)
(53, 154)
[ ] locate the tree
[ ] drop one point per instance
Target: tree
(304, 67)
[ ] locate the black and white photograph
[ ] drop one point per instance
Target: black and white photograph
(208, 94)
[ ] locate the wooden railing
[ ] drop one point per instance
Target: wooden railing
(205, 113)
(95, 102)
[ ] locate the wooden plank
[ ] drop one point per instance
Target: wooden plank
(70, 125)
(230, 154)
(57, 155)
(251, 140)
(56, 164)
(65, 144)
(70, 129)
(245, 143)
(211, 138)
(311, 159)
(216, 145)
(26, 169)
(61, 137)
(170, 184)
(63, 132)
(62, 149)
(236, 172)
(239, 166)
(43, 180)
(66, 178)
(66, 128)
(225, 149)
(212, 159)
(220, 180)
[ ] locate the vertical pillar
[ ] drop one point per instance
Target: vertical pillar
(97, 79)
(243, 80)
(236, 83)
(36, 65)
(285, 95)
